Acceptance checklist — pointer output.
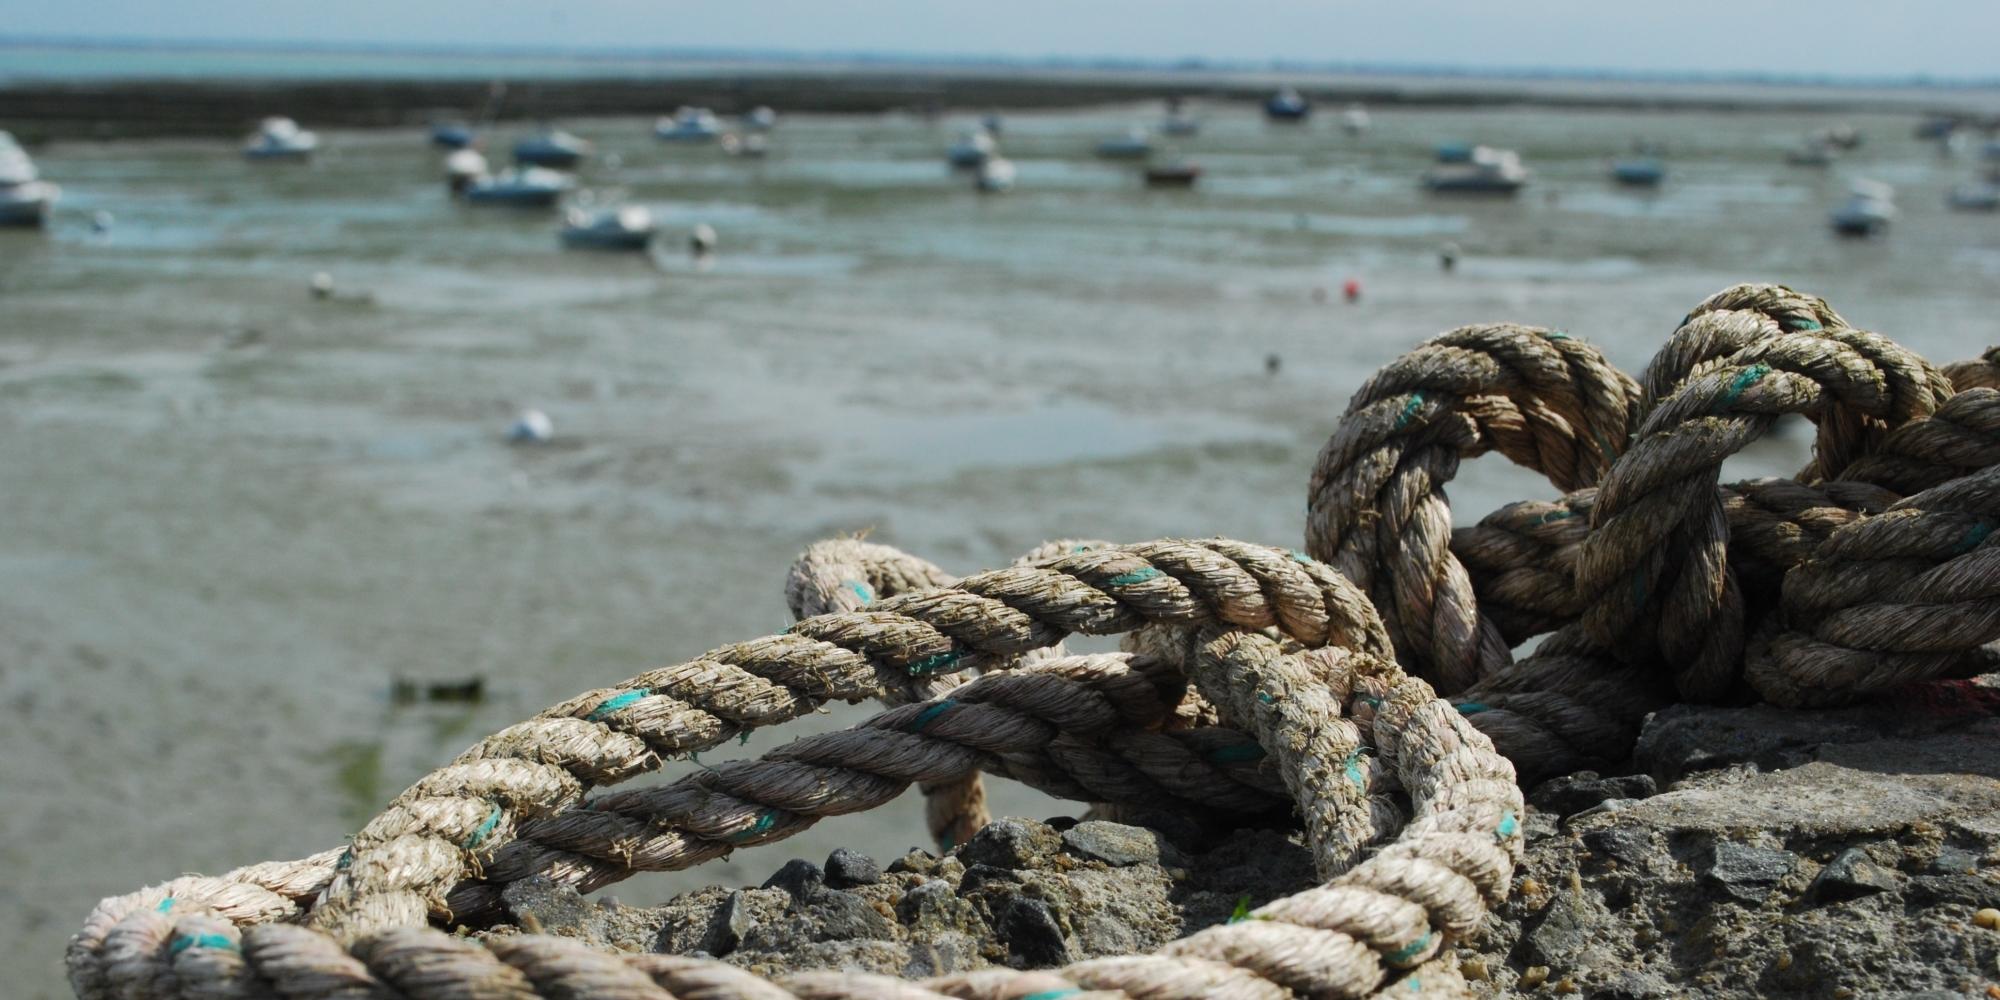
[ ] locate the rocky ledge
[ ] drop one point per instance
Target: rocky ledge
(1750, 852)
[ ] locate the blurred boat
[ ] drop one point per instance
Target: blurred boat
(627, 227)
(1978, 196)
(1355, 120)
(972, 149)
(1287, 105)
(280, 139)
(1173, 175)
(1869, 209)
(1487, 171)
(1839, 137)
(1453, 152)
(1133, 145)
(524, 187)
(1810, 153)
(462, 168)
(24, 197)
(760, 118)
(688, 125)
(751, 146)
(551, 147)
(1178, 121)
(452, 135)
(995, 175)
(1639, 171)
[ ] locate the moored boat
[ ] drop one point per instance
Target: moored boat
(1486, 171)
(994, 176)
(552, 147)
(279, 138)
(1639, 171)
(627, 227)
(523, 187)
(1869, 209)
(25, 198)
(688, 124)
(1133, 145)
(972, 149)
(1173, 175)
(1287, 105)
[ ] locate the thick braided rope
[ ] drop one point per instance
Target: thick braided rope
(1400, 909)
(1376, 507)
(1078, 727)
(847, 574)
(1982, 372)
(1654, 566)
(1910, 594)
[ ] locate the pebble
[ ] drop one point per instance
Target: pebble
(1115, 844)
(1009, 843)
(1988, 918)
(798, 877)
(846, 869)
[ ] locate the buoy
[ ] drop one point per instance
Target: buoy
(531, 427)
(1351, 290)
(701, 240)
(1448, 256)
(322, 285)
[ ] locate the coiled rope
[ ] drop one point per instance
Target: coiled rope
(1874, 567)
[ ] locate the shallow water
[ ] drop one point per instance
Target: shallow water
(236, 514)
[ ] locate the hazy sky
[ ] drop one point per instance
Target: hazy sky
(1950, 38)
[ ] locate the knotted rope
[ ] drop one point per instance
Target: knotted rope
(1875, 567)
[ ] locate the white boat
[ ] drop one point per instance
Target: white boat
(1355, 120)
(995, 175)
(525, 187)
(462, 168)
(280, 139)
(972, 149)
(1869, 209)
(688, 124)
(552, 147)
(628, 227)
(1486, 171)
(24, 197)
(760, 118)
(1978, 196)
(1133, 145)
(753, 146)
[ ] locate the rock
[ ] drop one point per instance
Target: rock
(1119, 845)
(1009, 843)
(1624, 845)
(733, 922)
(1850, 875)
(798, 877)
(978, 877)
(1574, 793)
(1953, 861)
(846, 869)
(837, 915)
(1032, 935)
(1747, 872)
(918, 861)
(554, 908)
(933, 908)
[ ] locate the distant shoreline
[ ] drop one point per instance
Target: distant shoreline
(110, 107)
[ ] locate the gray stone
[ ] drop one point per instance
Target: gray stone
(933, 908)
(1953, 861)
(846, 869)
(1574, 793)
(798, 877)
(838, 915)
(1009, 843)
(1850, 875)
(918, 862)
(731, 924)
(1119, 845)
(1032, 935)
(1748, 872)
(1625, 845)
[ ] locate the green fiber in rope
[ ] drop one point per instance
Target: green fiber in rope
(165, 905)
(1555, 515)
(1556, 335)
(1472, 707)
(930, 715)
(1264, 698)
(1352, 765)
(1136, 576)
(860, 589)
(1298, 556)
(1242, 911)
(1411, 950)
(485, 829)
(1053, 994)
(1410, 409)
(765, 821)
(1235, 753)
(1507, 826)
(616, 702)
(1803, 324)
(1744, 380)
(186, 941)
(1974, 537)
(930, 663)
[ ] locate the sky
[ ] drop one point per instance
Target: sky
(1939, 38)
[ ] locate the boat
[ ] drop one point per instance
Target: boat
(753, 146)
(1811, 153)
(1869, 209)
(1133, 145)
(995, 175)
(280, 139)
(972, 149)
(452, 135)
(551, 147)
(1354, 120)
(760, 118)
(462, 168)
(627, 227)
(1178, 121)
(1287, 105)
(688, 125)
(1454, 152)
(1173, 175)
(1839, 137)
(1978, 196)
(24, 197)
(523, 187)
(1487, 171)
(1639, 171)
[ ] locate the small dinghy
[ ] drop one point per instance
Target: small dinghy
(1287, 105)
(1979, 196)
(1172, 175)
(1355, 120)
(972, 150)
(463, 168)
(1639, 171)
(1487, 171)
(627, 227)
(1133, 145)
(995, 176)
(551, 148)
(24, 197)
(688, 125)
(760, 119)
(1868, 210)
(280, 139)
(452, 135)
(525, 187)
